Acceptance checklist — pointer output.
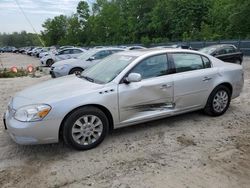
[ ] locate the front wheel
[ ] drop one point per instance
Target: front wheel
(85, 128)
(76, 71)
(218, 101)
(49, 62)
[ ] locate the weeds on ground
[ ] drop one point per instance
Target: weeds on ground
(7, 73)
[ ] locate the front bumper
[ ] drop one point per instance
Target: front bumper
(29, 133)
(58, 73)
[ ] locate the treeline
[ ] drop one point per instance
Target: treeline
(150, 21)
(19, 39)
(110, 22)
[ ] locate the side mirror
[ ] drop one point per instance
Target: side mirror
(91, 59)
(133, 77)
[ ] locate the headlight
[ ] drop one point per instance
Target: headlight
(32, 112)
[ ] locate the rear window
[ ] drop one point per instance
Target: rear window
(187, 62)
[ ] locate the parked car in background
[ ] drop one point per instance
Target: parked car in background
(126, 88)
(29, 50)
(14, 50)
(181, 46)
(134, 47)
(7, 49)
(34, 51)
(67, 53)
(64, 47)
(81, 63)
(22, 50)
(47, 51)
(224, 52)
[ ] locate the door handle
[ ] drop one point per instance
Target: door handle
(206, 78)
(165, 86)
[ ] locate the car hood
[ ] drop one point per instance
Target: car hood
(54, 90)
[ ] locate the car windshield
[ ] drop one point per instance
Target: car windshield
(86, 55)
(208, 50)
(107, 69)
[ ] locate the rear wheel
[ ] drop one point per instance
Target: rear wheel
(76, 71)
(49, 62)
(85, 128)
(218, 101)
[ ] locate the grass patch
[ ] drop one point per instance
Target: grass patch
(7, 73)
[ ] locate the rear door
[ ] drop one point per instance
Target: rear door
(152, 96)
(227, 54)
(64, 54)
(193, 80)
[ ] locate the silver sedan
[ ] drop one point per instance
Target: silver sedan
(126, 88)
(82, 62)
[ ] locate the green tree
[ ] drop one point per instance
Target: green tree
(55, 30)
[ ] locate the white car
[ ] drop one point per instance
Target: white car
(81, 63)
(68, 53)
(123, 89)
(47, 51)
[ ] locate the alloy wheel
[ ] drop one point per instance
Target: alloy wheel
(87, 130)
(220, 101)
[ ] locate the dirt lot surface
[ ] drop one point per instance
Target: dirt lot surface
(191, 150)
(8, 60)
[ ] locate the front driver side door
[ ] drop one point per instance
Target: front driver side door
(152, 96)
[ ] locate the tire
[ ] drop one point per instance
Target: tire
(76, 71)
(86, 135)
(218, 101)
(49, 62)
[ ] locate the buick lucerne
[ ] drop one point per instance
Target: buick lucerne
(126, 88)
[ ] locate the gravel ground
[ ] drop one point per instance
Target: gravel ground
(8, 60)
(191, 150)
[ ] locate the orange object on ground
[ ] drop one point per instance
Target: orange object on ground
(14, 69)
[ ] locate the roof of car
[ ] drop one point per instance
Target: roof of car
(219, 45)
(72, 49)
(106, 48)
(153, 50)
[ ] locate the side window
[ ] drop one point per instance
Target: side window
(116, 51)
(206, 61)
(187, 62)
(222, 51)
(76, 51)
(152, 67)
(230, 49)
(65, 52)
(102, 54)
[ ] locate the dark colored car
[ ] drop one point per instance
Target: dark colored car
(224, 52)
(182, 46)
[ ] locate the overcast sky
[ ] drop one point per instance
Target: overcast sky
(37, 11)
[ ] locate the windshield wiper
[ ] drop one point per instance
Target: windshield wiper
(88, 78)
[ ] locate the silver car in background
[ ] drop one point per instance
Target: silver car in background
(126, 88)
(82, 62)
(66, 53)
